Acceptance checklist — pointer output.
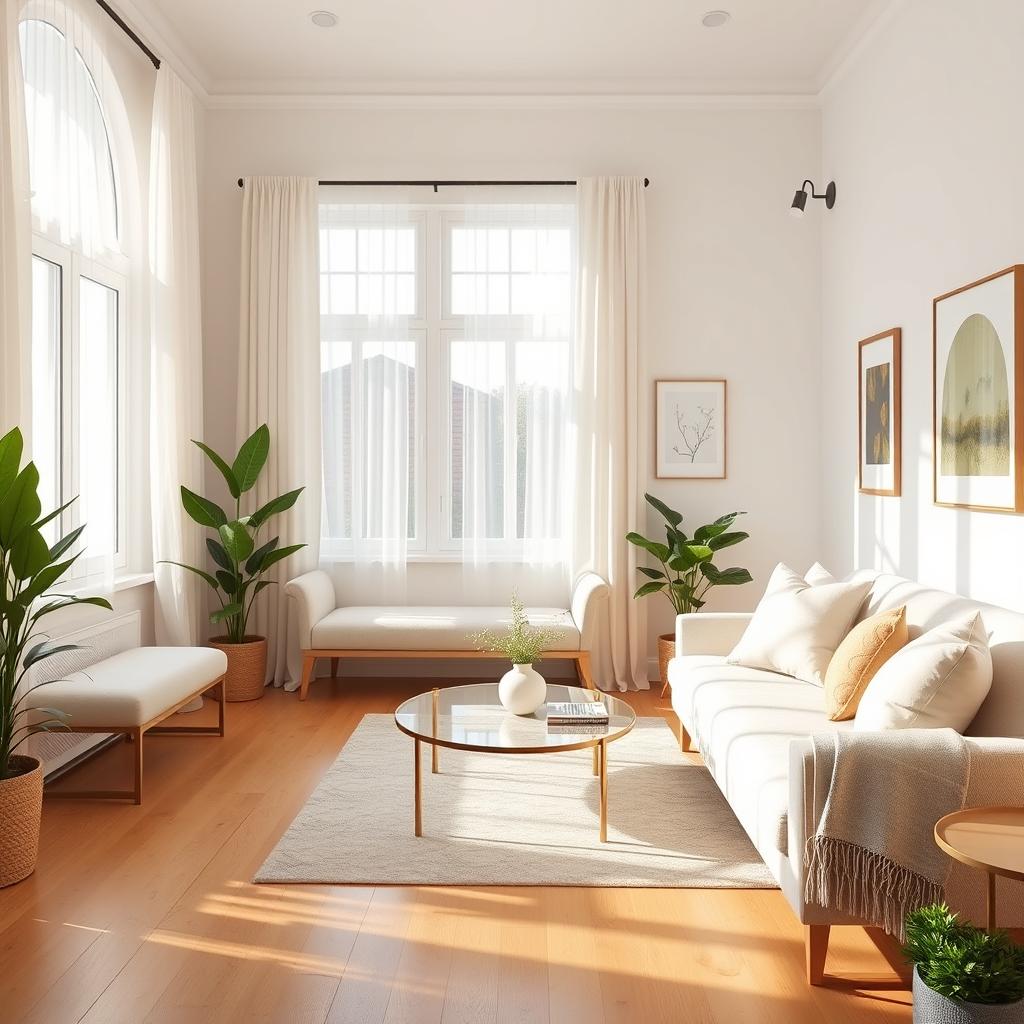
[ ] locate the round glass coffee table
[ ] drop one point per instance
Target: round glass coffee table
(472, 718)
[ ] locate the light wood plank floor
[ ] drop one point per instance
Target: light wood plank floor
(148, 914)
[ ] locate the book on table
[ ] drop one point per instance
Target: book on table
(578, 713)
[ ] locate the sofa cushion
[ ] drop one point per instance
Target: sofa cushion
(797, 627)
(743, 721)
(421, 628)
(864, 650)
(134, 687)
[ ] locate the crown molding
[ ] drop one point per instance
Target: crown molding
(849, 53)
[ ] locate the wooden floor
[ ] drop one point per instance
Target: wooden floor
(148, 914)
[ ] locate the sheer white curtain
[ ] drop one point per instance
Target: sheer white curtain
(610, 454)
(510, 366)
(176, 358)
(372, 365)
(279, 384)
(15, 309)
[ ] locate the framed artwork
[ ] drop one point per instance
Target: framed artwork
(978, 362)
(689, 428)
(879, 421)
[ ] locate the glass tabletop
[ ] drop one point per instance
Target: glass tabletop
(472, 718)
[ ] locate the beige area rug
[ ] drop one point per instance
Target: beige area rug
(490, 819)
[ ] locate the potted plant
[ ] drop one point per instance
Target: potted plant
(29, 569)
(522, 689)
(962, 974)
(687, 570)
(240, 560)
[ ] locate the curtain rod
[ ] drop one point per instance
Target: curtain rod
(123, 25)
(436, 184)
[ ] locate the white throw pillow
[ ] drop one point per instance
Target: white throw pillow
(818, 574)
(937, 681)
(796, 628)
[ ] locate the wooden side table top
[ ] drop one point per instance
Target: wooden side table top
(988, 838)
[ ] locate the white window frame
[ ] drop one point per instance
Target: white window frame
(439, 327)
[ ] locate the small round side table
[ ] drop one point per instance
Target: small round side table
(990, 839)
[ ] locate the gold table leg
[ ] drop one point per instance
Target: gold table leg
(433, 746)
(419, 813)
(990, 901)
(602, 756)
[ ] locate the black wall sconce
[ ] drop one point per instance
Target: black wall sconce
(800, 198)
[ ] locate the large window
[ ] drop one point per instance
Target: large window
(446, 362)
(79, 294)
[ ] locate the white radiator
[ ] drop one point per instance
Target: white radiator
(99, 641)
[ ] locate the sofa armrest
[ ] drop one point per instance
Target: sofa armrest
(997, 771)
(709, 632)
(589, 591)
(313, 593)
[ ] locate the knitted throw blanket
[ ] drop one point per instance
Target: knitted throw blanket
(876, 799)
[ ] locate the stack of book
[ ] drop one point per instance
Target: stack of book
(589, 717)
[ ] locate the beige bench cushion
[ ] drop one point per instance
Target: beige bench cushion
(419, 628)
(134, 687)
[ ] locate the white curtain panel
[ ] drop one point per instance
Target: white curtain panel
(279, 384)
(610, 449)
(176, 359)
(15, 227)
(370, 362)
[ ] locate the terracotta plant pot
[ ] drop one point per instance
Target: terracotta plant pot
(666, 652)
(21, 809)
(247, 667)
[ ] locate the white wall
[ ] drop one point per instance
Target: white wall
(922, 135)
(733, 280)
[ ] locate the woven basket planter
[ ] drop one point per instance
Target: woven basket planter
(666, 652)
(21, 809)
(246, 677)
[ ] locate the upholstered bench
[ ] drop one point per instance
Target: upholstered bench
(131, 693)
(425, 631)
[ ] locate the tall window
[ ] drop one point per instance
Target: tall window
(446, 362)
(78, 291)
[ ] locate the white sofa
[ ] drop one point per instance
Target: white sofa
(431, 631)
(752, 728)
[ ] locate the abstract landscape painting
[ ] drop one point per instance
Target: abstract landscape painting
(880, 442)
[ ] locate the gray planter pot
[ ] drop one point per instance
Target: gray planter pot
(932, 1008)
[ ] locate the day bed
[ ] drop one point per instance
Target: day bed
(752, 728)
(132, 693)
(422, 631)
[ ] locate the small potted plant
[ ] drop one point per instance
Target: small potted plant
(522, 689)
(29, 570)
(962, 974)
(687, 570)
(240, 559)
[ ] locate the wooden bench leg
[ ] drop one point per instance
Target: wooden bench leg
(137, 735)
(308, 661)
(334, 667)
(815, 950)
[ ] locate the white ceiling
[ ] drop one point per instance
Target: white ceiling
(509, 46)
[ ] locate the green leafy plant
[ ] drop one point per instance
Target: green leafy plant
(521, 643)
(962, 962)
(29, 569)
(239, 557)
(687, 570)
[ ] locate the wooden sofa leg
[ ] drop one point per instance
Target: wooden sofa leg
(137, 735)
(685, 742)
(308, 661)
(583, 669)
(816, 949)
(334, 667)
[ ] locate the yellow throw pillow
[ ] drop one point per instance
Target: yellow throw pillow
(867, 647)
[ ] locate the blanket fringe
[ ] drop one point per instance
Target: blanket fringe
(865, 884)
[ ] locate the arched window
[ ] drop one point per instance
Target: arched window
(79, 282)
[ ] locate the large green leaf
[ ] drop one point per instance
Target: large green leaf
(237, 541)
(654, 574)
(218, 554)
(46, 649)
(660, 551)
(733, 577)
(65, 543)
(19, 504)
(225, 470)
(273, 507)
(227, 612)
(67, 600)
(229, 581)
(255, 562)
(202, 510)
(726, 540)
(672, 517)
(191, 568)
(11, 446)
(40, 523)
(251, 458)
(690, 555)
(279, 555)
(45, 579)
(30, 554)
(649, 588)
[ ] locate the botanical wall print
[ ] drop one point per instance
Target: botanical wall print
(879, 430)
(978, 428)
(690, 428)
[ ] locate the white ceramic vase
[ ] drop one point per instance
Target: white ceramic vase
(522, 690)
